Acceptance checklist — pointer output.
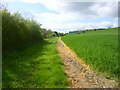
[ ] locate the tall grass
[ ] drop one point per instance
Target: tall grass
(99, 49)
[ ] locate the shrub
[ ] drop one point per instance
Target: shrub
(18, 31)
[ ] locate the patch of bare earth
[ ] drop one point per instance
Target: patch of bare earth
(80, 75)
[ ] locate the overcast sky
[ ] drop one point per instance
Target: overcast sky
(64, 16)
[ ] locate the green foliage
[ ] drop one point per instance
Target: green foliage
(18, 31)
(57, 34)
(47, 33)
(37, 66)
(82, 31)
(61, 34)
(99, 49)
(73, 31)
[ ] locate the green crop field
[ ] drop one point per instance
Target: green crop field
(99, 49)
(37, 66)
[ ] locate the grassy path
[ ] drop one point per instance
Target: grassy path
(37, 66)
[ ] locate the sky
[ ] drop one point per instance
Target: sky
(67, 15)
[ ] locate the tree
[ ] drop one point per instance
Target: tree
(57, 34)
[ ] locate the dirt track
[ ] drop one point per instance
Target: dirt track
(80, 75)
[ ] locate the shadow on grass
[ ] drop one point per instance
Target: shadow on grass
(19, 66)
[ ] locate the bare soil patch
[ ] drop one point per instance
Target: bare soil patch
(81, 75)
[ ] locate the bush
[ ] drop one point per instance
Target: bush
(18, 31)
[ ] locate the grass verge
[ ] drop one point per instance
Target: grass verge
(37, 66)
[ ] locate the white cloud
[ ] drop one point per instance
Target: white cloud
(52, 17)
(73, 10)
(106, 9)
(77, 26)
(79, 8)
(115, 25)
(77, 11)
